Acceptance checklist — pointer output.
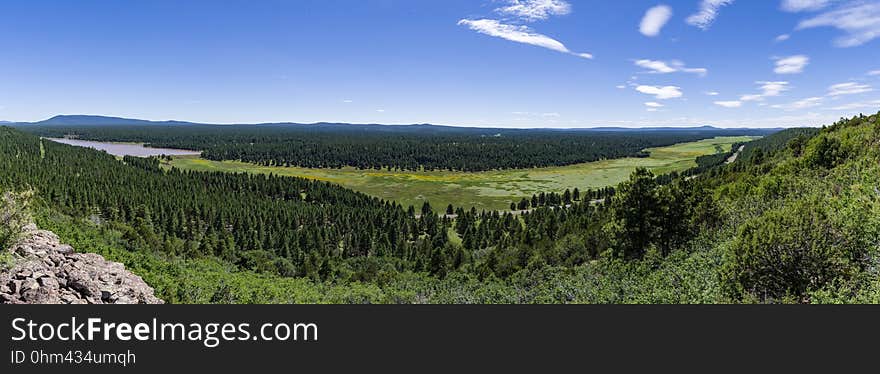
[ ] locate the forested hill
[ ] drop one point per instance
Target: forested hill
(410, 147)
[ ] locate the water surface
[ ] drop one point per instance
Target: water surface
(125, 149)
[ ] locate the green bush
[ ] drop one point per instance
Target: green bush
(6, 260)
(14, 215)
(825, 152)
(787, 253)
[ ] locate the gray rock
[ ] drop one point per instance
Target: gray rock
(49, 272)
(14, 286)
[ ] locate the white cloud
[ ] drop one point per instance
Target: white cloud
(535, 10)
(860, 20)
(553, 115)
(661, 93)
(711, 93)
(782, 38)
(804, 5)
(380, 110)
(800, 104)
(873, 105)
(656, 66)
(519, 34)
(621, 86)
(347, 101)
(654, 20)
(768, 89)
(729, 104)
(698, 71)
(773, 88)
(753, 97)
(661, 67)
(874, 72)
(792, 64)
(707, 13)
(653, 106)
(849, 88)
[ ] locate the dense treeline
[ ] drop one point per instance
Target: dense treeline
(643, 216)
(754, 151)
(795, 138)
(288, 226)
(407, 148)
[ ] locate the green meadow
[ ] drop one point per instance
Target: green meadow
(484, 190)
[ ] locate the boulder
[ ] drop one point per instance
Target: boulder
(46, 271)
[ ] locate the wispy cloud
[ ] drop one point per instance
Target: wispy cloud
(380, 110)
(772, 88)
(662, 67)
(860, 20)
(804, 5)
(752, 97)
(768, 89)
(729, 104)
(704, 17)
(809, 102)
(792, 64)
(782, 38)
(655, 66)
(654, 20)
(534, 114)
(711, 93)
(519, 34)
(347, 101)
(873, 105)
(874, 72)
(534, 10)
(661, 93)
(849, 88)
(653, 106)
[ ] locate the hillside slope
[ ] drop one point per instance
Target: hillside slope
(802, 215)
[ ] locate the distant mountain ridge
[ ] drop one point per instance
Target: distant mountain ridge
(92, 120)
(98, 120)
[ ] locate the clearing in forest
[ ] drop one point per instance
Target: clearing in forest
(484, 190)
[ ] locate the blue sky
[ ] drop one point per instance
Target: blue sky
(505, 63)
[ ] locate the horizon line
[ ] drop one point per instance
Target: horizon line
(493, 127)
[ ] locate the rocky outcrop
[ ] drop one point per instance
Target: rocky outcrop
(48, 272)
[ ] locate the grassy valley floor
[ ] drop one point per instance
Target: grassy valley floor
(491, 190)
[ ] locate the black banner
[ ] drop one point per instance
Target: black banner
(337, 338)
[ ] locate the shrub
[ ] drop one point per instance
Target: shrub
(14, 215)
(825, 152)
(787, 253)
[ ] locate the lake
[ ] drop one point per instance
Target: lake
(125, 149)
